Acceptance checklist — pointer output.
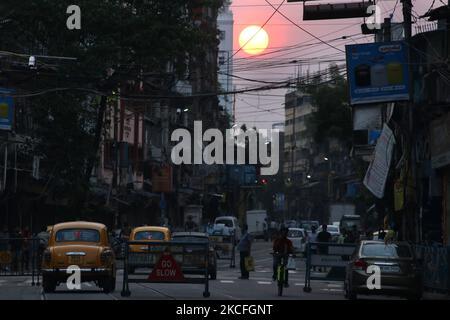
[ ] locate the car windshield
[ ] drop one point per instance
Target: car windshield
(295, 234)
(74, 235)
(348, 224)
(149, 235)
(386, 250)
(190, 238)
(227, 222)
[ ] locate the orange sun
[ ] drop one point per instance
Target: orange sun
(253, 40)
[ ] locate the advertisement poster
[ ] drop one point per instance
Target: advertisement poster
(6, 109)
(377, 72)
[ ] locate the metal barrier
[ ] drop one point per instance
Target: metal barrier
(225, 247)
(21, 257)
(324, 255)
(435, 267)
(166, 262)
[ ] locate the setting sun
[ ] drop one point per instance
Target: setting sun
(253, 40)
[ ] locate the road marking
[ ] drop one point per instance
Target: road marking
(299, 284)
(227, 281)
(264, 282)
(335, 285)
(332, 290)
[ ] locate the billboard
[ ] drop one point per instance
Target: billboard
(377, 72)
(6, 109)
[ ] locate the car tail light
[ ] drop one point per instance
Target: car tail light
(106, 256)
(360, 265)
(47, 256)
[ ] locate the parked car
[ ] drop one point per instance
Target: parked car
(195, 264)
(146, 234)
(298, 238)
(400, 271)
(84, 244)
(333, 230)
(232, 223)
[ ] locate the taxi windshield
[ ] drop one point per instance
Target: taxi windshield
(149, 235)
(75, 235)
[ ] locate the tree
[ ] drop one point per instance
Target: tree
(119, 43)
(332, 118)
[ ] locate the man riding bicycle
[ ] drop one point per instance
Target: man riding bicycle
(282, 248)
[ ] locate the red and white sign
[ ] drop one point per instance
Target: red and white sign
(167, 270)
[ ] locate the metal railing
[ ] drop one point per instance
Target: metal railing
(21, 257)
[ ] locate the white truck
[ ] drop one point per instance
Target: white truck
(338, 210)
(257, 222)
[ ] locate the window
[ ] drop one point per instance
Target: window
(295, 234)
(221, 35)
(228, 223)
(386, 250)
(149, 235)
(78, 235)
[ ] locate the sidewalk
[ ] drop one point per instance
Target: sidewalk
(19, 288)
(435, 296)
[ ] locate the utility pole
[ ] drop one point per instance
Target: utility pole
(409, 119)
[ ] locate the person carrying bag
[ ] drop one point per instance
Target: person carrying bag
(246, 261)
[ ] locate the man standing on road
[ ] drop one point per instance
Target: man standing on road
(244, 247)
(323, 237)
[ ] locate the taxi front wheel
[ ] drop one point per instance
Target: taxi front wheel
(48, 284)
(108, 285)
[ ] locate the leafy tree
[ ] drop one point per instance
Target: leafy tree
(121, 42)
(332, 118)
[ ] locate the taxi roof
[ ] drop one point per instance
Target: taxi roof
(78, 224)
(151, 228)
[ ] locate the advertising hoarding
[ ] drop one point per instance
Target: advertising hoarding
(377, 72)
(6, 109)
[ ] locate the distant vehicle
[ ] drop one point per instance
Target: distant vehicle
(338, 210)
(146, 234)
(298, 238)
(333, 230)
(400, 271)
(232, 223)
(290, 224)
(349, 221)
(257, 224)
(307, 224)
(195, 264)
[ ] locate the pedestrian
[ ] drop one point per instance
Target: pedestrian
(244, 247)
(26, 247)
(323, 238)
(4, 235)
(15, 244)
(312, 238)
(190, 225)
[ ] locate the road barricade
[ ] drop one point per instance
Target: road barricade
(327, 255)
(435, 267)
(225, 247)
(20, 257)
(166, 262)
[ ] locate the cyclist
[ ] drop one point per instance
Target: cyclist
(282, 247)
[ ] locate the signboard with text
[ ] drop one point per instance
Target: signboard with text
(6, 109)
(377, 72)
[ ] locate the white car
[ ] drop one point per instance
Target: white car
(232, 223)
(298, 238)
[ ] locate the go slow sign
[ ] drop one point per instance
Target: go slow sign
(166, 270)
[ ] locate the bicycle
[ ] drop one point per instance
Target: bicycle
(281, 270)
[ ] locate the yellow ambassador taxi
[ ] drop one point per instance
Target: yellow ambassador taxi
(145, 234)
(83, 244)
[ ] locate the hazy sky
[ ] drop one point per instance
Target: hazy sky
(250, 107)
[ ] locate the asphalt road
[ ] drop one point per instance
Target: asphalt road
(227, 286)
